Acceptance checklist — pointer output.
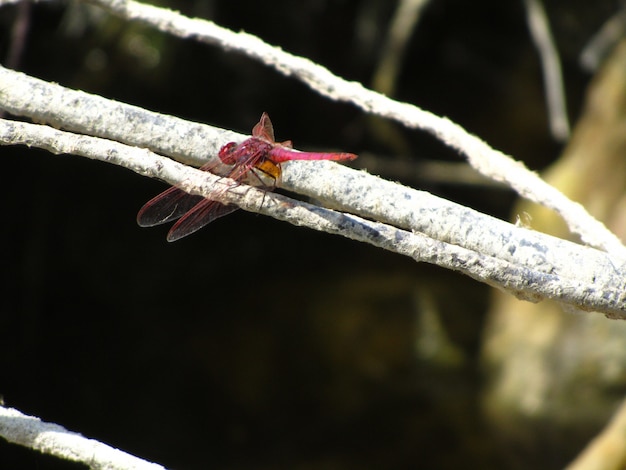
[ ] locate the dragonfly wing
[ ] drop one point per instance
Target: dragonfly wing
(264, 129)
(170, 204)
(205, 212)
(208, 210)
(167, 206)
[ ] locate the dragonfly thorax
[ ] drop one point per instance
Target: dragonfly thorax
(249, 152)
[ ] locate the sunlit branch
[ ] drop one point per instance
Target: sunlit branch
(485, 159)
(598, 288)
(52, 439)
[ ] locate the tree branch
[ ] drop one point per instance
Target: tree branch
(589, 283)
(539, 27)
(481, 156)
(52, 439)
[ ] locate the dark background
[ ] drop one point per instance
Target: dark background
(255, 344)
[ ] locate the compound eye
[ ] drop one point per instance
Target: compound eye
(225, 153)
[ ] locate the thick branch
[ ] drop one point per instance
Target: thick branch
(85, 113)
(337, 186)
(601, 287)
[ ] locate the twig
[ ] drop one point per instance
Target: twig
(490, 162)
(552, 76)
(52, 439)
(600, 287)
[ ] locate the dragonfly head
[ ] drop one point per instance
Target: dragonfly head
(226, 152)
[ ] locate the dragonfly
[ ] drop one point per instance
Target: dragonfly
(255, 157)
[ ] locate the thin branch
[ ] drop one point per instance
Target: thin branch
(490, 162)
(52, 439)
(602, 288)
(552, 75)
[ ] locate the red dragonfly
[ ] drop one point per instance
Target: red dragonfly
(257, 153)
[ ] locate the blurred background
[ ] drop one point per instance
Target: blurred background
(253, 344)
